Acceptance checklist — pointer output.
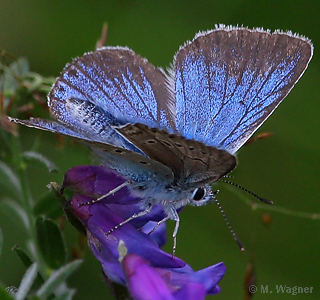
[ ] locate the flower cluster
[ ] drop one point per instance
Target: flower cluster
(146, 270)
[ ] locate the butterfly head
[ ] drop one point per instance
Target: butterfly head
(178, 197)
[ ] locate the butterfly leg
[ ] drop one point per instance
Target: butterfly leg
(158, 224)
(174, 217)
(119, 187)
(134, 216)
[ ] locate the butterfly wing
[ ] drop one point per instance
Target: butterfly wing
(90, 137)
(229, 80)
(131, 165)
(106, 88)
(118, 81)
(192, 163)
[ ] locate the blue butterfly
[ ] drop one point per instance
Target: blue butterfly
(172, 134)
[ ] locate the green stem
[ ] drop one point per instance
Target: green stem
(268, 207)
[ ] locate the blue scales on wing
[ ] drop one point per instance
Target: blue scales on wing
(228, 81)
(106, 88)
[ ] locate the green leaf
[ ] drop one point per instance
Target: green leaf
(48, 206)
(57, 277)
(27, 262)
(27, 282)
(9, 180)
(13, 74)
(5, 295)
(37, 157)
(20, 67)
(34, 81)
(24, 257)
(66, 295)
(12, 209)
(50, 243)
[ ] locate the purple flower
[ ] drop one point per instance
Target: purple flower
(146, 282)
(149, 272)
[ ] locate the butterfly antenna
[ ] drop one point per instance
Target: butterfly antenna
(228, 223)
(249, 192)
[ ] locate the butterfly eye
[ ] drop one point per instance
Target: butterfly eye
(198, 193)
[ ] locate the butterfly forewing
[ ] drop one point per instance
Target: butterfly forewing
(228, 81)
(118, 81)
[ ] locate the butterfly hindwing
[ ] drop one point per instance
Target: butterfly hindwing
(192, 163)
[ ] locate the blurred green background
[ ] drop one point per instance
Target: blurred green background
(283, 168)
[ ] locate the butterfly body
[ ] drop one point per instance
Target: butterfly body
(173, 134)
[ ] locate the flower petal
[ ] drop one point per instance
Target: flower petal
(97, 181)
(144, 282)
